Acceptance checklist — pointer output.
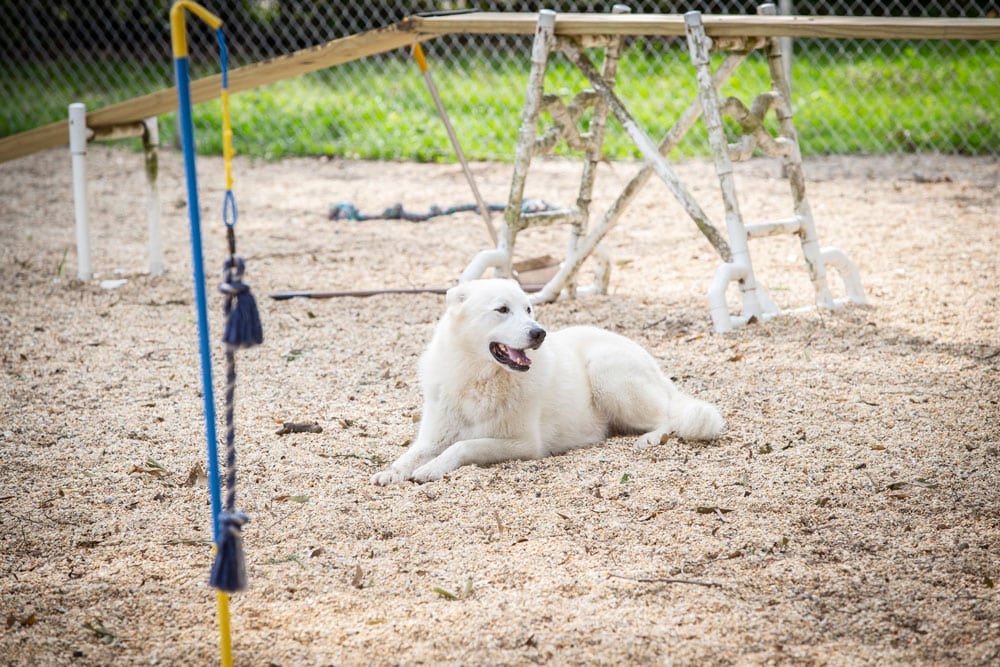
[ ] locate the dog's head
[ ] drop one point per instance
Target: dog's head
(494, 317)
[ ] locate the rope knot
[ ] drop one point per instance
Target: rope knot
(233, 288)
(233, 268)
(233, 522)
(232, 277)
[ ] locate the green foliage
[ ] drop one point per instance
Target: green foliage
(870, 98)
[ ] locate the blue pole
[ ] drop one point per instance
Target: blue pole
(201, 302)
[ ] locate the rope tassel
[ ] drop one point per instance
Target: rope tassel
(243, 328)
(229, 572)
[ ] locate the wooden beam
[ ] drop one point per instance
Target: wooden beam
(672, 25)
(343, 50)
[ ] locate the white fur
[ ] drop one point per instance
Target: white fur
(583, 385)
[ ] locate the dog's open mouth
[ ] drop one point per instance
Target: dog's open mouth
(510, 357)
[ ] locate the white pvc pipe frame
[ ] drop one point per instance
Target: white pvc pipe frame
(757, 304)
(79, 135)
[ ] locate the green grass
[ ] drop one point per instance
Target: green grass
(895, 97)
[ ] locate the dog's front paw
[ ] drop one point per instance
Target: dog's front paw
(429, 472)
(387, 476)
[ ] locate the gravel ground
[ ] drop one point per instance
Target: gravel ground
(848, 515)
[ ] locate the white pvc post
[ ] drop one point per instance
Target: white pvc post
(78, 151)
(151, 146)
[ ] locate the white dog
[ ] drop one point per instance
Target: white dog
(494, 392)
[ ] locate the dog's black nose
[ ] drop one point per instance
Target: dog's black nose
(537, 335)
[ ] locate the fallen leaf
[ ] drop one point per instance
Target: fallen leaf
(102, 633)
(923, 483)
(445, 593)
(299, 427)
(196, 475)
(712, 510)
(293, 499)
(24, 622)
(149, 467)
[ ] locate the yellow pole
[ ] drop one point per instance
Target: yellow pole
(225, 641)
(484, 209)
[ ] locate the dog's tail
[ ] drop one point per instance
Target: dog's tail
(695, 419)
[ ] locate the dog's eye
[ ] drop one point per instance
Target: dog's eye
(503, 310)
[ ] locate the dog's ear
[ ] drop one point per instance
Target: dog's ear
(457, 295)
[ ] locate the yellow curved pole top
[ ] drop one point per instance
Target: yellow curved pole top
(178, 33)
(418, 54)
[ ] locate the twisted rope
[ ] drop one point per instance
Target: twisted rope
(347, 211)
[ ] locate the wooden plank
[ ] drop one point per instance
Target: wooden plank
(672, 25)
(343, 50)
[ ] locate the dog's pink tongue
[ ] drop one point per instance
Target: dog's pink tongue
(518, 357)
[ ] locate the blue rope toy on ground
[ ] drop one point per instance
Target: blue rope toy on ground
(347, 211)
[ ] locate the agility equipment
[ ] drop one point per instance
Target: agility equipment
(734, 251)
(243, 328)
(570, 34)
(739, 267)
(79, 135)
(590, 143)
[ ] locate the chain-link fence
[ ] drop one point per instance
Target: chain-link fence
(52, 54)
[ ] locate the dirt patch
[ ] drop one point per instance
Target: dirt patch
(847, 516)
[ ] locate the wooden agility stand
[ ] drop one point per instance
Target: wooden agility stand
(737, 265)
(756, 302)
